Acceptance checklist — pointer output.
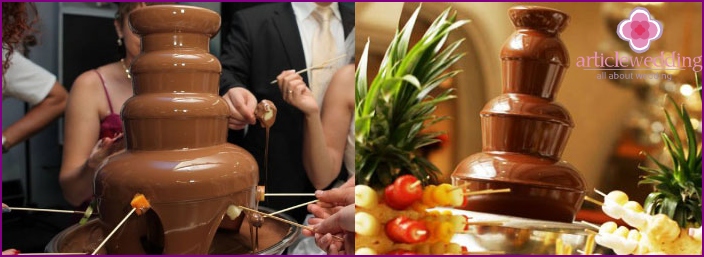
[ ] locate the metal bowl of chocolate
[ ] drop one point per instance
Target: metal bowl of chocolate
(502, 234)
(274, 238)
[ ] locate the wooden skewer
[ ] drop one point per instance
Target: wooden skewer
(463, 186)
(289, 194)
(293, 207)
(415, 184)
(44, 210)
(287, 221)
(589, 224)
(599, 192)
(113, 231)
(488, 191)
(592, 200)
(322, 65)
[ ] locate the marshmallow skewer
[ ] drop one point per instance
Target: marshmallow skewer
(113, 231)
(139, 204)
(592, 200)
(289, 194)
(293, 207)
(42, 210)
(286, 221)
(321, 66)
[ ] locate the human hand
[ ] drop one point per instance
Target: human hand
(330, 202)
(5, 208)
(341, 196)
(341, 223)
(241, 103)
(104, 148)
(11, 252)
(296, 93)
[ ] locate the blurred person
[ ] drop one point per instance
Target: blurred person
(328, 134)
(24, 80)
(93, 113)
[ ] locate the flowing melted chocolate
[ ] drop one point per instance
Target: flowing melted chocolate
(524, 132)
(176, 132)
(266, 114)
(85, 238)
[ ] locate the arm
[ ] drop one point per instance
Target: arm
(235, 70)
(324, 140)
(81, 134)
(326, 135)
(37, 118)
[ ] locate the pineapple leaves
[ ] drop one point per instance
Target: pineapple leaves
(678, 188)
(394, 111)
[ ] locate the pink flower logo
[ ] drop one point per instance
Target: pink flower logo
(639, 29)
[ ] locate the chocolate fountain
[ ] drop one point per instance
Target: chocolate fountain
(177, 152)
(524, 131)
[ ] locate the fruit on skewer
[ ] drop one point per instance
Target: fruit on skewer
(233, 212)
(261, 193)
(405, 230)
(266, 113)
(408, 227)
(403, 192)
(140, 204)
(366, 224)
(365, 197)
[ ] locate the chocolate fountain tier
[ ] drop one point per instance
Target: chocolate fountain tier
(523, 131)
(525, 124)
(541, 188)
(206, 173)
(534, 59)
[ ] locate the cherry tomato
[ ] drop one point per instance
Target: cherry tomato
(409, 188)
(405, 230)
(403, 192)
(392, 200)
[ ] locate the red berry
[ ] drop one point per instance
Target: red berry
(405, 230)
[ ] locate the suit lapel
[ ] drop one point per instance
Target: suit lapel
(347, 19)
(287, 27)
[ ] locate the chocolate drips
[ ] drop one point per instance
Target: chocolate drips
(523, 131)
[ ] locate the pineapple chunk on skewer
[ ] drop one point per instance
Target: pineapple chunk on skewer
(365, 197)
(366, 224)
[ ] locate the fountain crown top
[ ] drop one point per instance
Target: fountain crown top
(174, 19)
(539, 18)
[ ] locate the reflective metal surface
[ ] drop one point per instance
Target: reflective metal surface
(523, 236)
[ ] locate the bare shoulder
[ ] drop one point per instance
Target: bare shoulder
(87, 82)
(86, 93)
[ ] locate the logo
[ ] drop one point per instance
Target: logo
(639, 29)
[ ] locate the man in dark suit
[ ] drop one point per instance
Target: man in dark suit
(262, 42)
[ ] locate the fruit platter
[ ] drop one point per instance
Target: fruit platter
(406, 218)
